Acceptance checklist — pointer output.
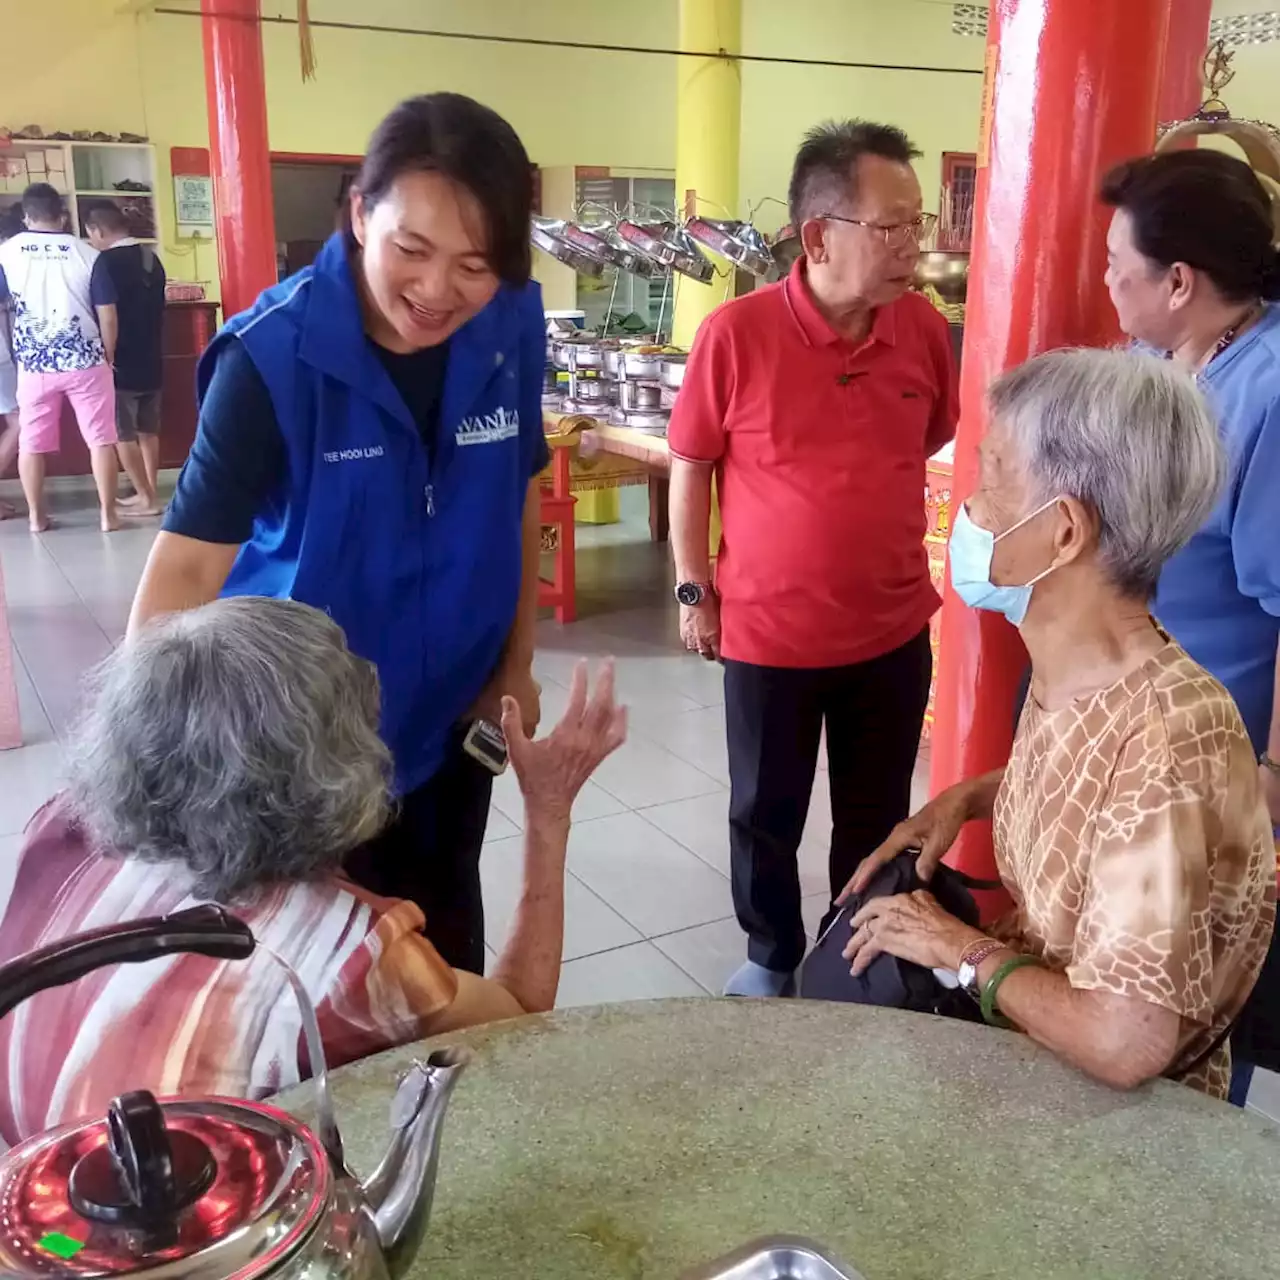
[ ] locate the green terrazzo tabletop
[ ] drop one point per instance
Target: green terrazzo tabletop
(638, 1140)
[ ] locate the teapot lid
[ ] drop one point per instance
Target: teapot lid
(196, 1188)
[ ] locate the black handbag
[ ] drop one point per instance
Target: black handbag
(888, 981)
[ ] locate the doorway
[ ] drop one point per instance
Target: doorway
(308, 194)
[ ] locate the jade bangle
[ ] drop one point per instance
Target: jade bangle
(989, 1011)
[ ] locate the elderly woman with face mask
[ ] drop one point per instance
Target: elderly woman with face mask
(1129, 825)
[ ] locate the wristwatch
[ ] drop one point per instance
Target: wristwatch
(973, 956)
(693, 593)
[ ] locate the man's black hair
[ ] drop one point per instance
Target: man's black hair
(41, 203)
(475, 147)
(824, 174)
(105, 215)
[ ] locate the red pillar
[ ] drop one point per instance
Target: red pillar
(241, 157)
(1075, 85)
(1182, 80)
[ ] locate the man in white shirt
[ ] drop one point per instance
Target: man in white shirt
(64, 335)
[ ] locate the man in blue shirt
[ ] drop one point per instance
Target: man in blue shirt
(1193, 273)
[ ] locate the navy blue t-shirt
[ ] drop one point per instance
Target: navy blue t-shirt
(238, 459)
(139, 279)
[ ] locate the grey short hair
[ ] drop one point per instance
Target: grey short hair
(239, 739)
(1129, 436)
(824, 173)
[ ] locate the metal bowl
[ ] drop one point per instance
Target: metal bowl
(948, 273)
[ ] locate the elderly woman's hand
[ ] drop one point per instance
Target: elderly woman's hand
(551, 770)
(911, 926)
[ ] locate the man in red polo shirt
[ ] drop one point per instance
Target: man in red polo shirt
(814, 403)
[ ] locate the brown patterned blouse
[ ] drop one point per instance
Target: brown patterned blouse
(188, 1024)
(1131, 833)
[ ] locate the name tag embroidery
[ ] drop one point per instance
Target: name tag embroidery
(353, 455)
(502, 424)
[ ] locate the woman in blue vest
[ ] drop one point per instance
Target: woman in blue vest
(369, 442)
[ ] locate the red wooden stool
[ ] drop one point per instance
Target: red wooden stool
(557, 537)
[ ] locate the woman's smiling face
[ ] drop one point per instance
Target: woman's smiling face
(424, 260)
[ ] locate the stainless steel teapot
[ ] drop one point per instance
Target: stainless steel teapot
(210, 1188)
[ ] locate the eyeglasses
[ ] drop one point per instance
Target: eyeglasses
(897, 234)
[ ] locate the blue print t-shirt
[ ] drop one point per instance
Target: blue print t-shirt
(1220, 596)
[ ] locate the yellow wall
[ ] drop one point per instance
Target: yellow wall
(117, 66)
(780, 102)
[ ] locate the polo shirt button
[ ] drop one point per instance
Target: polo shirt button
(497, 358)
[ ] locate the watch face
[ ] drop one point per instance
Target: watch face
(689, 593)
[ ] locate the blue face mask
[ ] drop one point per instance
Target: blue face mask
(970, 551)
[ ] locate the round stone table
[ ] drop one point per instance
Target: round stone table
(637, 1141)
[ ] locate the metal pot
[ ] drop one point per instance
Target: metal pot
(672, 375)
(593, 391)
(206, 1188)
(641, 366)
(577, 355)
(639, 396)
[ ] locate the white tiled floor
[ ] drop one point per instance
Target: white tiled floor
(647, 910)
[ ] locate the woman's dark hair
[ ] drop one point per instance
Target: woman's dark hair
(472, 145)
(1204, 208)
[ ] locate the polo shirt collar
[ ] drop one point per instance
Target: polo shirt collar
(816, 328)
(333, 337)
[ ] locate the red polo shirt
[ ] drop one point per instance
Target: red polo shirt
(819, 448)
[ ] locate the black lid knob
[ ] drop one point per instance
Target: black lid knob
(146, 1174)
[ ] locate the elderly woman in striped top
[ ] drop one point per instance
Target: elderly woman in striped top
(232, 753)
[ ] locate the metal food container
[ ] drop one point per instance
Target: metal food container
(642, 396)
(777, 1258)
(641, 366)
(577, 355)
(672, 376)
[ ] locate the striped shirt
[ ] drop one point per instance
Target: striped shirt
(188, 1024)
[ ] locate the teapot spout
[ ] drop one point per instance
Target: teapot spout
(400, 1190)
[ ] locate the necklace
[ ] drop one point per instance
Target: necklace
(1229, 335)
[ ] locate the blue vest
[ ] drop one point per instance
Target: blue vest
(420, 565)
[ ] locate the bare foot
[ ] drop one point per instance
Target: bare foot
(110, 524)
(133, 500)
(41, 524)
(138, 513)
(8, 511)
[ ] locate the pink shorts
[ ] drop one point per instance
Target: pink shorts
(92, 393)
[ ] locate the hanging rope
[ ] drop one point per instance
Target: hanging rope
(306, 49)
